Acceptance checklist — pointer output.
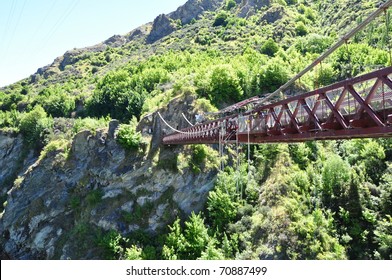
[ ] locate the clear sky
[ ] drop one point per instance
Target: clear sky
(34, 32)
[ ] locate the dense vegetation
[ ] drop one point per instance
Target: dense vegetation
(315, 200)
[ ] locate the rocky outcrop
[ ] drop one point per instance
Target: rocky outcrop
(73, 56)
(249, 7)
(164, 25)
(139, 32)
(63, 202)
(161, 27)
(115, 41)
(273, 14)
(70, 57)
(11, 148)
(193, 9)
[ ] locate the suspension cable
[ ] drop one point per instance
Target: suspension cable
(172, 128)
(186, 119)
(185, 132)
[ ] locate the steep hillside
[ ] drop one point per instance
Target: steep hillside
(77, 184)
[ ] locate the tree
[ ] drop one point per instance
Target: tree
(35, 126)
(221, 19)
(188, 244)
(175, 245)
(114, 96)
(133, 253)
(59, 105)
(383, 238)
(224, 85)
(335, 179)
(372, 155)
(386, 191)
(212, 252)
(273, 76)
(230, 4)
(221, 208)
(300, 29)
(315, 238)
(269, 47)
(196, 235)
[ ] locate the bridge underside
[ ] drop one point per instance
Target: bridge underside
(356, 108)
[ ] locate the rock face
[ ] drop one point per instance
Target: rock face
(193, 9)
(165, 24)
(273, 14)
(249, 7)
(161, 27)
(10, 157)
(63, 203)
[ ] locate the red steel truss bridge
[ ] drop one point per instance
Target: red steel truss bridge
(360, 107)
(355, 108)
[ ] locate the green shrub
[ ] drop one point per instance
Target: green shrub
(224, 85)
(221, 208)
(94, 197)
(335, 180)
(300, 29)
(383, 238)
(35, 127)
(114, 96)
(9, 119)
(59, 105)
(9, 102)
(91, 124)
(313, 43)
(272, 77)
(230, 4)
(55, 145)
(128, 137)
(269, 47)
(221, 19)
(133, 253)
(202, 158)
(300, 153)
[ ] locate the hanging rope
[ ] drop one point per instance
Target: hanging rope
(248, 153)
(238, 173)
(387, 36)
(383, 102)
(221, 134)
(348, 60)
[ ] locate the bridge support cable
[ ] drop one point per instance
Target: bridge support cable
(343, 40)
(169, 126)
(186, 119)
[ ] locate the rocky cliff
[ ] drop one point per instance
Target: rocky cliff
(63, 202)
(11, 148)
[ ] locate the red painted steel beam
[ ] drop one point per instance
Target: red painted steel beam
(285, 126)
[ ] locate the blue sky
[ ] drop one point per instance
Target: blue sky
(34, 32)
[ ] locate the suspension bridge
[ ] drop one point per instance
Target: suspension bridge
(359, 107)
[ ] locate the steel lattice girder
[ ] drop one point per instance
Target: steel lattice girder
(355, 108)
